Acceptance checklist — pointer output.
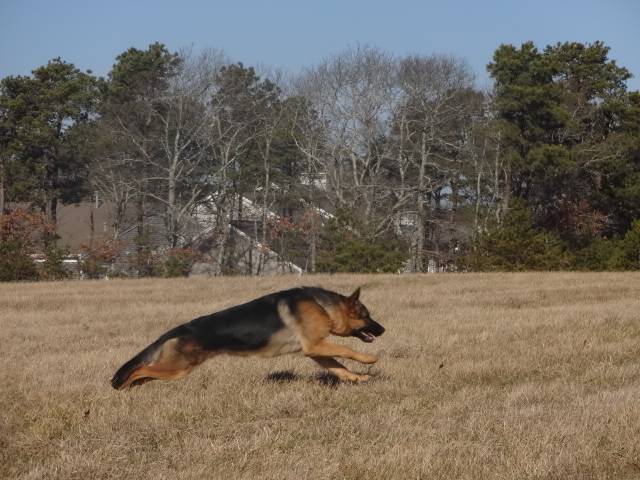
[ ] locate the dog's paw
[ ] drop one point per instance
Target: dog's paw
(368, 358)
(353, 377)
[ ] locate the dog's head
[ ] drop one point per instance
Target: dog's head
(361, 325)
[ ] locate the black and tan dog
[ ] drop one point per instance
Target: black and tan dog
(296, 320)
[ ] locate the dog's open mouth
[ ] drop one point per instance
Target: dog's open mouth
(365, 336)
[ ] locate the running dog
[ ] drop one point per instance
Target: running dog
(289, 321)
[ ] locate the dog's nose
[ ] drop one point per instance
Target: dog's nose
(376, 328)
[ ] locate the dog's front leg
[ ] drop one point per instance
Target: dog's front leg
(339, 370)
(326, 349)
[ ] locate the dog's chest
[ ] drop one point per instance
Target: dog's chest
(282, 342)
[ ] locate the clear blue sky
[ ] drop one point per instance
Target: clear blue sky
(292, 34)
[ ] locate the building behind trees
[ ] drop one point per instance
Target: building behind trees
(363, 163)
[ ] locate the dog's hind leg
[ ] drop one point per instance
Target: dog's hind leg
(339, 370)
(175, 359)
(156, 372)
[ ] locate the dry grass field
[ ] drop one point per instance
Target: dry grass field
(481, 376)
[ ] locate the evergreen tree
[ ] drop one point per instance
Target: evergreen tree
(571, 134)
(39, 116)
(516, 245)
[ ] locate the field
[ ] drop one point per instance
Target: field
(481, 376)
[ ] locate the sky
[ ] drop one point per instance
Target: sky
(291, 35)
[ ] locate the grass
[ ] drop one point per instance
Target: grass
(481, 376)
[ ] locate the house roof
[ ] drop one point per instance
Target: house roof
(74, 223)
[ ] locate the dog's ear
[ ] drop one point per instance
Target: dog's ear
(353, 298)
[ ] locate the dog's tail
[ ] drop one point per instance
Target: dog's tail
(121, 377)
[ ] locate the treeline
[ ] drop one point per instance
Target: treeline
(369, 162)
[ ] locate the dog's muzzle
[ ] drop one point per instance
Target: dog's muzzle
(369, 332)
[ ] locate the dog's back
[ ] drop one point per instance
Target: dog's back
(247, 327)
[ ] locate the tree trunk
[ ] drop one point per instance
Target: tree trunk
(172, 233)
(506, 199)
(436, 228)
(142, 242)
(253, 239)
(502, 208)
(51, 210)
(312, 252)
(92, 227)
(455, 198)
(120, 208)
(265, 201)
(315, 223)
(419, 267)
(476, 215)
(225, 224)
(2, 190)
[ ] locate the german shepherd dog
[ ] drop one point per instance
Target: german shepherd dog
(290, 321)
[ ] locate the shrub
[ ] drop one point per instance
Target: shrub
(21, 234)
(343, 251)
(53, 267)
(515, 245)
(97, 259)
(15, 262)
(596, 256)
(178, 262)
(627, 254)
(146, 263)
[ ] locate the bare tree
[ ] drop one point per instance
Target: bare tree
(386, 140)
(175, 149)
(232, 131)
(184, 156)
(353, 98)
(112, 177)
(432, 88)
(2, 184)
(490, 172)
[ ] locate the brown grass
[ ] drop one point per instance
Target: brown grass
(509, 376)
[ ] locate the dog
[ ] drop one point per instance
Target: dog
(289, 321)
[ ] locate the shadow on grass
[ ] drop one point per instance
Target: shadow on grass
(284, 376)
(327, 379)
(288, 376)
(323, 378)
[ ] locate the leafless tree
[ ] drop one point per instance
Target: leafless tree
(112, 177)
(184, 158)
(388, 140)
(235, 120)
(353, 97)
(434, 104)
(176, 150)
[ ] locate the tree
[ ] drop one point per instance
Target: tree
(434, 122)
(352, 97)
(233, 131)
(627, 254)
(564, 110)
(181, 161)
(342, 251)
(515, 245)
(21, 234)
(129, 127)
(113, 173)
(39, 116)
